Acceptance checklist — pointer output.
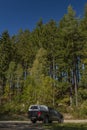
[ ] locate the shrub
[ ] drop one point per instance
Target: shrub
(83, 109)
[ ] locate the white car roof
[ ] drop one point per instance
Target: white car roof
(41, 107)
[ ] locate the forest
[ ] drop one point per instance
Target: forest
(47, 65)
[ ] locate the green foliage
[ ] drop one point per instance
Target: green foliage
(13, 108)
(82, 93)
(7, 91)
(44, 66)
(83, 109)
(11, 71)
(5, 53)
(19, 75)
(38, 93)
(39, 65)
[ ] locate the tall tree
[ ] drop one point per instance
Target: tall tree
(39, 65)
(50, 44)
(25, 50)
(37, 35)
(83, 27)
(10, 76)
(72, 45)
(19, 77)
(5, 55)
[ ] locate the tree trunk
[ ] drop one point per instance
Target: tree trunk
(54, 79)
(69, 80)
(76, 94)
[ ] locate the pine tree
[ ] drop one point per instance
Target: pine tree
(71, 45)
(5, 55)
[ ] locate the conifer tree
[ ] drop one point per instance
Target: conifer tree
(71, 46)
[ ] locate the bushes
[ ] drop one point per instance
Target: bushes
(83, 110)
(12, 108)
(79, 112)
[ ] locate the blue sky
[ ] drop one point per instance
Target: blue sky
(24, 14)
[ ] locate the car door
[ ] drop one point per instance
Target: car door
(52, 114)
(55, 115)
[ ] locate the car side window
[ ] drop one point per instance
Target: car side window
(33, 107)
(51, 110)
(41, 108)
(55, 112)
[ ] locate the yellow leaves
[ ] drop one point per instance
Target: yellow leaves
(7, 91)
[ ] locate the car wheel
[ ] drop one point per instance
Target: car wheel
(50, 121)
(33, 121)
(60, 120)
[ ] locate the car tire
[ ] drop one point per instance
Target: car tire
(60, 120)
(50, 121)
(33, 121)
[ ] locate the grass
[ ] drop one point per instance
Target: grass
(68, 126)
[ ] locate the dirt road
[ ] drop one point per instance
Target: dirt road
(75, 121)
(20, 126)
(27, 125)
(28, 122)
